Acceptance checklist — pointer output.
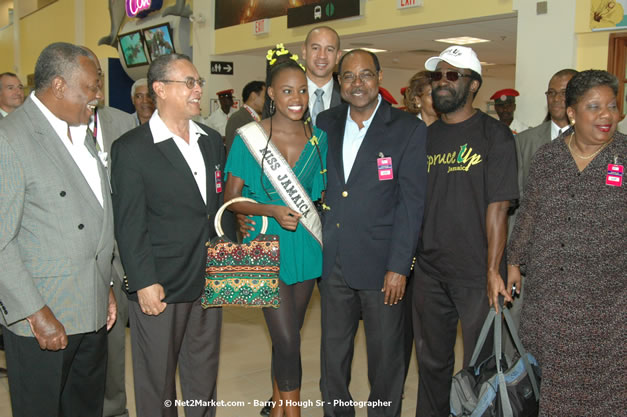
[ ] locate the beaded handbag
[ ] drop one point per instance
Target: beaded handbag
(242, 274)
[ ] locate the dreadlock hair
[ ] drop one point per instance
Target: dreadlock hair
(278, 60)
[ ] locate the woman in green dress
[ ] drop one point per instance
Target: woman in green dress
(303, 147)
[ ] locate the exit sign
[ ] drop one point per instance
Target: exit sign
(261, 27)
(406, 4)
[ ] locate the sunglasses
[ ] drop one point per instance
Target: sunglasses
(450, 75)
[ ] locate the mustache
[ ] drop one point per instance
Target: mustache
(357, 90)
(440, 88)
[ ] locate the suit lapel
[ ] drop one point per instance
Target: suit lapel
(47, 137)
(336, 95)
(369, 149)
(336, 146)
(211, 165)
(171, 152)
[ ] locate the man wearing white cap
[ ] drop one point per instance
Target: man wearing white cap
(471, 179)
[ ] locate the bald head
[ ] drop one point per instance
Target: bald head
(321, 52)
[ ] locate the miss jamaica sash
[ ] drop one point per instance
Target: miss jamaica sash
(282, 177)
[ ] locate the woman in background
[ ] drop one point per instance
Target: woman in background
(418, 97)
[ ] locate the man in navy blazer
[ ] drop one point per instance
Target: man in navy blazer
(377, 171)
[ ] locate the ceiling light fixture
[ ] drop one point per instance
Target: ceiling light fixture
(373, 50)
(462, 40)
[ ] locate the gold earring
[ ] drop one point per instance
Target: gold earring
(572, 122)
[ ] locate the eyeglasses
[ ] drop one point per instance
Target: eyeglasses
(553, 94)
(189, 82)
(366, 76)
(450, 75)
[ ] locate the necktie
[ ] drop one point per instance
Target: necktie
(318, 105)
(90, 143)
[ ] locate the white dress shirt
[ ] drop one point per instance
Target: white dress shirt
(326, 97)
(353, 137)
(556, 130)
(217, 120)
(190, 151)
(76, 147)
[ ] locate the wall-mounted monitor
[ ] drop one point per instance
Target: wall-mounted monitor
(159, 40)
(133, 50)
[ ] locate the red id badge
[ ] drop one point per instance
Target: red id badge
(384, 166)
(614, 175)
(218, 178)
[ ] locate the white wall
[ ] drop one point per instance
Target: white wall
(246, 68)
(545, 44)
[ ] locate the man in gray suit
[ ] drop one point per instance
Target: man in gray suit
(556, 122)
(321, 52)
(254, 96)
(56, 243)
(108, 124)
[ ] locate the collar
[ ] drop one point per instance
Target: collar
(366, 122)
(3, 113)
(160, 132)
(327, 88)
(59, 126)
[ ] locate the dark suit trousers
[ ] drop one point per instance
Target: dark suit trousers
(115, 386)
(184, 334)
(64, 383)
(437, 309)
(384, 326)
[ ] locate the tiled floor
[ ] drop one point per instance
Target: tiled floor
(245, 361)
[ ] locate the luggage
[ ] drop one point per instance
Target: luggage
(496, 388)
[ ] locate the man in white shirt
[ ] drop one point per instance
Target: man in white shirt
(167, 187)
(11, 93)
(217, 120)
(56, 242)
(321, 52)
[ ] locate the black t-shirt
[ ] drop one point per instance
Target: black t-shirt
(470, 165)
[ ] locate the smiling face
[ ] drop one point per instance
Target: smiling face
(11, 93)
(450, 96)
(596, 116)
(174, 99)
(359, 81)
(556, 100)
(143, 103)
(321, 53)
(80, 93)
(289, 92)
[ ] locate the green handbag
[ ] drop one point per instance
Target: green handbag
(242, 274)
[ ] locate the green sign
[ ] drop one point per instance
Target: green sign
(322, 11)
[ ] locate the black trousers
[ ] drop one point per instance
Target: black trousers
(437, 309)
(63, 383)
(185, 335)
(384, 326)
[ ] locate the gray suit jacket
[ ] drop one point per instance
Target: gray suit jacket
(527, 143)
(237, 120)
(56, 240)
(114, 123)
